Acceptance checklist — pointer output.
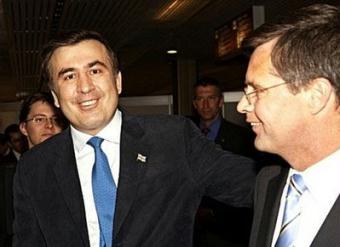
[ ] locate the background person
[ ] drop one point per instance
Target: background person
(16, 141)
(40, 119)
(5, 152)
(208, 102)
(216, 223)
(291, 101)
(155, 169)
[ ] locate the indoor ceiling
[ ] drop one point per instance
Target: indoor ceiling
(139, 30)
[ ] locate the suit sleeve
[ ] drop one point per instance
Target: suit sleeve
(222, 175)
(26, 229)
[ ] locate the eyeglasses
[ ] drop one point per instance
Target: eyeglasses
(254, 95)
(42, 120)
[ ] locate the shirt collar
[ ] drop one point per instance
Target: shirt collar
(322, 178)
(111, 133)
(213, 128)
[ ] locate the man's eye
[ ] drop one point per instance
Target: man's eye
(39, 119)
(95, 71)
(259, 90)
(69, 77)
(212, 97)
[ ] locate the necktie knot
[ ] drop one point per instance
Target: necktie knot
(95, 142)
(205, 130)
(296, 185)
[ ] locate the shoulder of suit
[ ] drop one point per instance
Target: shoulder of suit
(155, 119)
(236, 129)
(53, 144)
(268, 172)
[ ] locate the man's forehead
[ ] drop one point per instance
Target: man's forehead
(92, 47)
(40, 105)
(206, 89)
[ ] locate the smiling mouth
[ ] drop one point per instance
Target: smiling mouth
(255, 124)
(88, 102)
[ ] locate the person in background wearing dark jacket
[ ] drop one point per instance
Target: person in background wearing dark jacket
(16, 141)
(218, 224)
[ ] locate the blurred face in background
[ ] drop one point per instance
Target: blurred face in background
(17, 142)
(208, 102)
(41, 123)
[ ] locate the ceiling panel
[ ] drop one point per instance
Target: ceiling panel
(139, 30)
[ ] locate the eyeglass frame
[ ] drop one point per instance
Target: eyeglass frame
(53, 120)
(259, 90)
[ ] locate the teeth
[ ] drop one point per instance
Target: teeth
(88, 103)
(254, 124)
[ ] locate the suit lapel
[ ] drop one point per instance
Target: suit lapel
(328, 235)
(132, 167)
(66, 173)
(271, 207)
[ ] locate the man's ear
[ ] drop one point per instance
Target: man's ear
(221, 101)
(320, 91)
(23, 129)
(56, 100)
(194, 104)
(119, 85)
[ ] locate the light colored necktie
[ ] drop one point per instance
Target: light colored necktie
(104, 192)
(291, 216)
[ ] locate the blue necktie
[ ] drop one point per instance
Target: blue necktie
(291, 216)
(104, 192)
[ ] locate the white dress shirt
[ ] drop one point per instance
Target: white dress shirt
(322, 181)
(85, 160)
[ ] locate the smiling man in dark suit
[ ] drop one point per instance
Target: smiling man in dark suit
(140, 187)
(292, 101)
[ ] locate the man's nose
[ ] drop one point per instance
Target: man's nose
(85, 83)
(244, 106)
(49, 123)
(205, 103)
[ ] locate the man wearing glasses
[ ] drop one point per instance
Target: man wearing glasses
(40, 119)
(291, 101)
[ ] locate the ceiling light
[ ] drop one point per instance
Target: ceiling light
(171, 51)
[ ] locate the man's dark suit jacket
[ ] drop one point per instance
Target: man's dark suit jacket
(236, 139)
(156, 200)
(268, 192)
(230, 223)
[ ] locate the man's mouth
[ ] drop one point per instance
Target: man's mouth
(88, 103)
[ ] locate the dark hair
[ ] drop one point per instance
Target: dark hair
(307, 46)
(45, 97)
(12, 128)
(208, 81)
(68, 39)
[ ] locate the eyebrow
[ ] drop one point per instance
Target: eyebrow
(96, 62)
(42, 115)
(89, 65)
(64, 71)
